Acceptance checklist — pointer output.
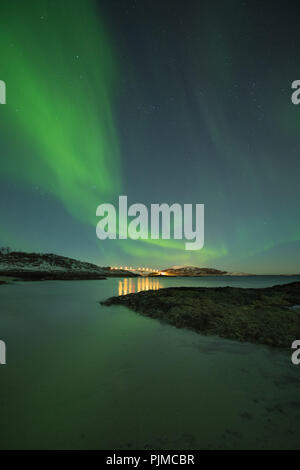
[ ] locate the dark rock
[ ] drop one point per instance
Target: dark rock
(254, 315)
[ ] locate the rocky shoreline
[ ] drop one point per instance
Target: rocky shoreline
(262, 316)
(50, 275)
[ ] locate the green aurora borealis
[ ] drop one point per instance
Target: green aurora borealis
(61, 76)
(190, 106)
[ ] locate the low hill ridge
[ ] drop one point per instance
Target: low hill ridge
(48, 266)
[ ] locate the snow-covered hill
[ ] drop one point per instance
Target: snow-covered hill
(195, 271)
(49, 266)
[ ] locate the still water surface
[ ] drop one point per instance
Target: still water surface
(80, 375)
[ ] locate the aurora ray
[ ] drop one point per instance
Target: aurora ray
(60, 102)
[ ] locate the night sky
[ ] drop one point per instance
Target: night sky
(163, 101)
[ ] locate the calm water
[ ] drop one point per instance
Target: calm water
(80, 375)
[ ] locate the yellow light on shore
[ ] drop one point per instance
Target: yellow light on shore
(143, 269)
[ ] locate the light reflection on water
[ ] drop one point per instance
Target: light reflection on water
(131, 285)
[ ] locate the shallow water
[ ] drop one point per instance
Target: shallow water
(81, 375)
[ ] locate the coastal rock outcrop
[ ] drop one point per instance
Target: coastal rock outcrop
(261, 315)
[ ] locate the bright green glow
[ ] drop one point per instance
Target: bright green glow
(59, 68)
(57, 63)
(170, 251)
(57, 132)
